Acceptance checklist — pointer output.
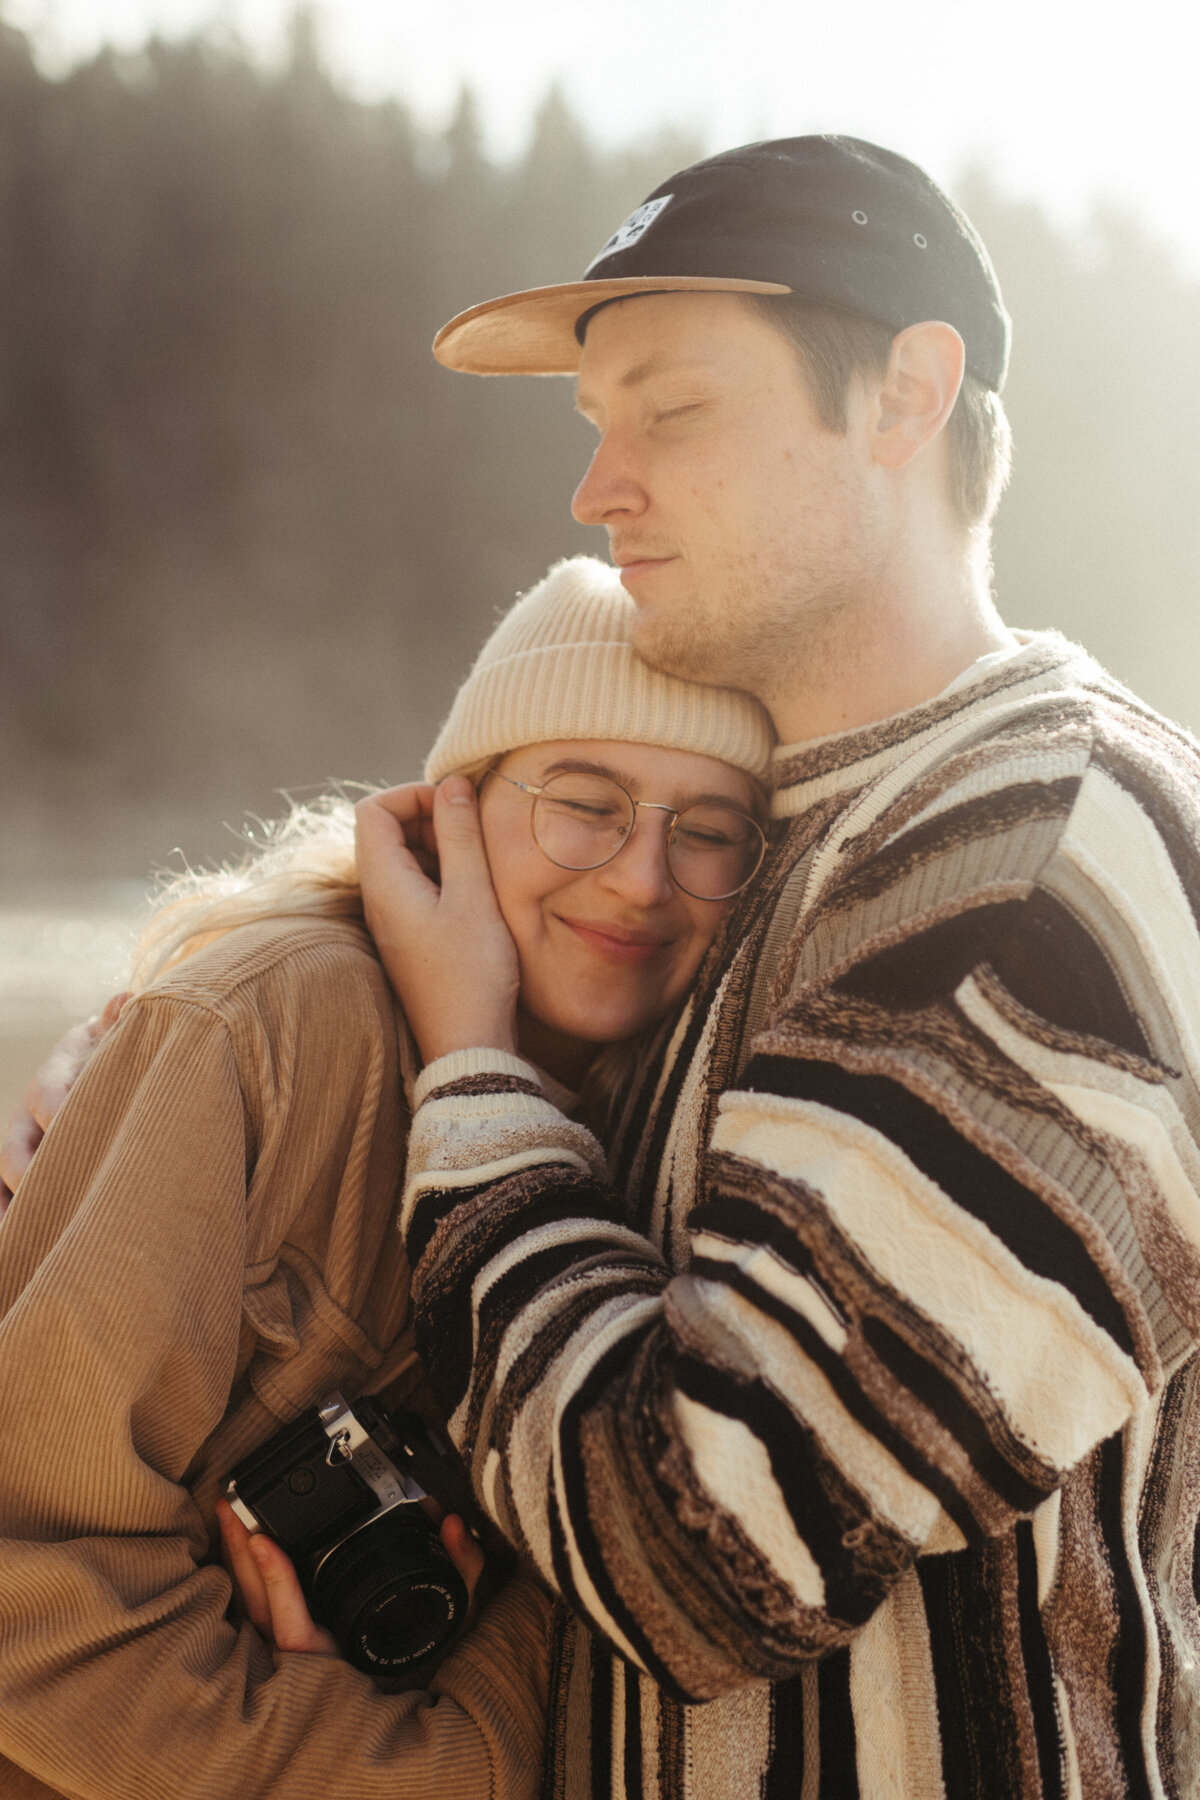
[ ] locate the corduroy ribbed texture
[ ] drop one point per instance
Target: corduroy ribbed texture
(204, 1247)
(561, 664)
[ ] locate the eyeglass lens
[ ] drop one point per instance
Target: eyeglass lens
(581, 821)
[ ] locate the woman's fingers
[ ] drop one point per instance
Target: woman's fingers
(292, 1626)
(247, 1578)
(270, 1589)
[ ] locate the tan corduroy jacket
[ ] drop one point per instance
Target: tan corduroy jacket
(204, 1246)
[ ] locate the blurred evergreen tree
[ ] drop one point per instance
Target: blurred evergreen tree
(251, 535)
(1100, 531)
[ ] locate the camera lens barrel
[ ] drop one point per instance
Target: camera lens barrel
(389, 1592)
(340, 1489)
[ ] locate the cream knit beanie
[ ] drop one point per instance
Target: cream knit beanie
(560, 664)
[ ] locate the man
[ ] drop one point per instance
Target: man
(861, 1404)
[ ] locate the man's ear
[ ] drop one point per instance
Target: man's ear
(917, 393)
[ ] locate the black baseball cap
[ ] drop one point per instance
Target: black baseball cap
(829, 219)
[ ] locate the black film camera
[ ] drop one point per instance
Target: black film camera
(340, 1491)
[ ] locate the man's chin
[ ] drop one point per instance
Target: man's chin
(674, 644)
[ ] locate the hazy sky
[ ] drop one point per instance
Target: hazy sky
(1065, 100)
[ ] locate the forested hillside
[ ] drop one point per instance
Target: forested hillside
(250, 533)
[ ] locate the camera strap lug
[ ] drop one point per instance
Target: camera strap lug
(341, 1449)
(350, 1442)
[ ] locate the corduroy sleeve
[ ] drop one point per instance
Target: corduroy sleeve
(121, 1277)
(942, 1242)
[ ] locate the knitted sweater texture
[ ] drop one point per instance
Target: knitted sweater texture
(856, 1415)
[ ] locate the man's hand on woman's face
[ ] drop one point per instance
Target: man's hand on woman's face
(446, 948)
(270, 1589)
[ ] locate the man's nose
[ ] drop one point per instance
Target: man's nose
(609, 487)
(639, 872)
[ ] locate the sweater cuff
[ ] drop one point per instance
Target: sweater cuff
(460, 1065)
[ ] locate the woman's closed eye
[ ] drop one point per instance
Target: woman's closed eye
(588, 812)
(705, 837)
(705, 826)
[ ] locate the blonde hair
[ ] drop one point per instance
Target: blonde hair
(299, 866)
(560, 664)
(302, 866)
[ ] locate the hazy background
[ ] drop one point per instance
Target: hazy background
(250, 534)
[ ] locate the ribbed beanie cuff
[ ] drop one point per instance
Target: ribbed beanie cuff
(561, 665)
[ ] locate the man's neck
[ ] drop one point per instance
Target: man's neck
(888, 655)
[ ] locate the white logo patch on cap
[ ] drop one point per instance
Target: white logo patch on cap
(635, 226)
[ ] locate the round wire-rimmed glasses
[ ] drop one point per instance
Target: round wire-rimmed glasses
(581, 821)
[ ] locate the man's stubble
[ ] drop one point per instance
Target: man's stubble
(777, 631)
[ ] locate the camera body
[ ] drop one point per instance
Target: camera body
(340, 1490)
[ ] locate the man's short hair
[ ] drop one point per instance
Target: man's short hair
(834, 346)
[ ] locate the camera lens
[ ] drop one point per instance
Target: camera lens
(415, 1614)
(389, 1593)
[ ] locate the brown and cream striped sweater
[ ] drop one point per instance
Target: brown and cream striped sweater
(862, 1407)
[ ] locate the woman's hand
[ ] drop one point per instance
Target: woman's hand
(270, 1589)
(448, 953)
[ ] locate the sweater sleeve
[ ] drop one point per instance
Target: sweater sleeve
(121, 1678)
(942, 1240)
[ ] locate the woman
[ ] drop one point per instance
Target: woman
(204, 1244)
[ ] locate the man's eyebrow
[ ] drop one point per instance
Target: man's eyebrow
(633, 377)
(640, 372)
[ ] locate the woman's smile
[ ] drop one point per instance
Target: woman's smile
(616, 943)
(604, 952)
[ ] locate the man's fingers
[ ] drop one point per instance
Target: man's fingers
(408, 804)
(22, 1138)
(236, 1541)
(456, 811)
(112, 1012)
(66, 1062)
(463, 859)
(270, 1589)
(395, 846)
(292, 1626)
(47, 1090)
(447, 951)
(413, 836)
(53, 1081)
(399, 818)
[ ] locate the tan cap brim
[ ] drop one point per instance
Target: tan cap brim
(534, 333)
